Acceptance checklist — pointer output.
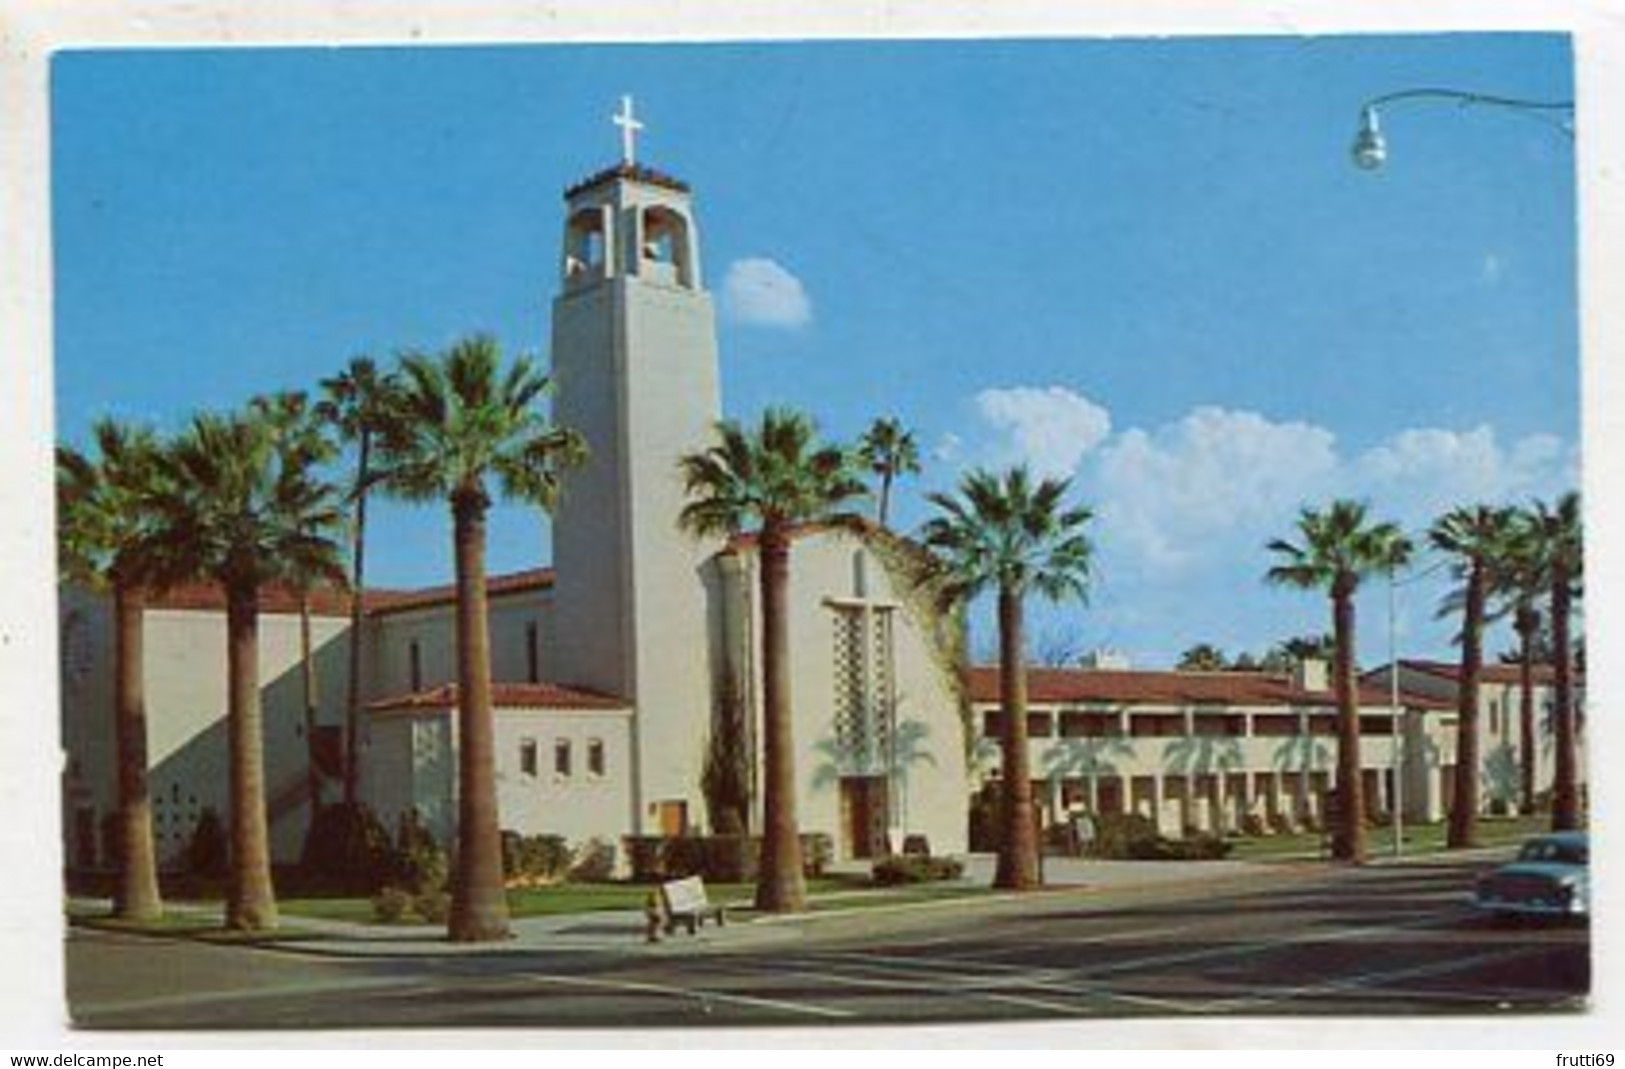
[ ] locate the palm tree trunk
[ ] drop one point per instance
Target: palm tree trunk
(251, 898)
(352, 696)
(885, 496)
(1018, 850)
(1565, 794)
(1348, 840)
(1528, 622)
(136, 896)
(1463, 831)
(780, 887)
(479, 904)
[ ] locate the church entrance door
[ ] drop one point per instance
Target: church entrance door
(863, 816)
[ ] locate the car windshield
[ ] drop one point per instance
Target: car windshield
(1550, 850)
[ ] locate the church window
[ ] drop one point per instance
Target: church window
(414, 661)
(595, 757)
(527, 756)
(865, 691)
(561, 757)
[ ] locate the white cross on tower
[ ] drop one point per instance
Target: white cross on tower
(629, 130)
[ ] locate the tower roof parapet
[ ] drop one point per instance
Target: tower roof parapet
(636, 172)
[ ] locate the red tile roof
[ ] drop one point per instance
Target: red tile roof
(1544, 674)
(636, 171)
(211, 597)
(330, 601)
(503, 696)
(382, 602)
(1053, 686)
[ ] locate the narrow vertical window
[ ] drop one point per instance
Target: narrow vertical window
(527, 757)
(595, 757)
(533, 653)
(561, 757)
(414, 658)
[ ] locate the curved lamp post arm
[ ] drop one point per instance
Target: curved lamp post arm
(1370, 150)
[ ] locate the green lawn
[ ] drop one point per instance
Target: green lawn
(563, 898)
(1418, 838)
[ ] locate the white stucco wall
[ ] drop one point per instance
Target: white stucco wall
(414, 759)
(935, 789)
(184, 670)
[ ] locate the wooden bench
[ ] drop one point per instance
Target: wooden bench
(682, 902)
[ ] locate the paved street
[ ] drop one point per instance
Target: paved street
(1389, 940)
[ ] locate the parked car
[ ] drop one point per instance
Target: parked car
(1550, 878)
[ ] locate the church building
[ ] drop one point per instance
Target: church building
(622, 672)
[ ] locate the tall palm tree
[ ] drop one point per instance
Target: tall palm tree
(244, 509)
(1001, 532)
(106, 521)
(359, 402)
(291, 416)
(1520, 582)
(1476, 538)
(466, 427)
(889, 451)
(1562, 544)
(766, 481)
(1341, 547)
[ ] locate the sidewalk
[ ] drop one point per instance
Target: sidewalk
(622, 931)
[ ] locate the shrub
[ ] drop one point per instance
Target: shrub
(1121, 836)
(1280, 823)
(206, 852)
(594, 862)
(433, 906)
(346, 850)
(684, 855)
(421, 865)
(916, 845)
(646, 856)
(1252, 824)
(893, 871)
(528, 860)
(817, 852)
(390, 904)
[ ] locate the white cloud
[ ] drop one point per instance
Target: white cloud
(760, 292)
(1170, 496)
(1049, 429)
(1491, 268)
(1421, 473)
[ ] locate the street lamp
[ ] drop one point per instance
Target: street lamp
(1370, 148)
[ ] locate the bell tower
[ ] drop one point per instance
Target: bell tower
(635, 356)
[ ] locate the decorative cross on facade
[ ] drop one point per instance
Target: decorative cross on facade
(629, 130)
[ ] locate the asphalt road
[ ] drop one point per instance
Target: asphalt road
(1383, 940)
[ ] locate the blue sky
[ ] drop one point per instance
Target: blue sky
(1148, 265)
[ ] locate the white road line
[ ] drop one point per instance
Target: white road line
(688, 993)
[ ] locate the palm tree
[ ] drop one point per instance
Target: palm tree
(1562, 546)
(106, 522)
(1003, 533)
(889, 451)
(1520, 581)
(766, 481)
(1341, 547)
(291, 415)
(463, 423)
(243, 509)
(359, 401)
(1476, 537)
(1203, 657)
